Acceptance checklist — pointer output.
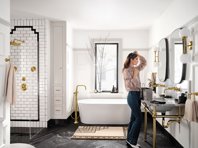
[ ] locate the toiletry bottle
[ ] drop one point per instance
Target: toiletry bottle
(113, 89)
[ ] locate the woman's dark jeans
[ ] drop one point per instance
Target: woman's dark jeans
(134, 126)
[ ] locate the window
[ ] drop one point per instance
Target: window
(106, 68)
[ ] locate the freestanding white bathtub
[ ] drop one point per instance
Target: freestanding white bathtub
(104, 111)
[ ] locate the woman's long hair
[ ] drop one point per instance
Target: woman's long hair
(127, 62)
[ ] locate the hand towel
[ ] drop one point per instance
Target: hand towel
(10, 84)
(191, 110)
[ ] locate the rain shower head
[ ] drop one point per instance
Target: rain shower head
(16, 42)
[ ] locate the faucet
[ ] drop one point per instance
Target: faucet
(76, 102)
(158, 85)
(172, 88)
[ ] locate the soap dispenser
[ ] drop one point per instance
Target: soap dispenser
(113, 89)
(182, 98)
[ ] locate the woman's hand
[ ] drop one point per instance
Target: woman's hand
(136, 53)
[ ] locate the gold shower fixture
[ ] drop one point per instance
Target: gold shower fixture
(15, 68)
(33, 69)
(23, 86)
(7, 59)
(23, 78)
(16, 42)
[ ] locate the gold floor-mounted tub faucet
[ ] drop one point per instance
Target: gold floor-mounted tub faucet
(76, 102)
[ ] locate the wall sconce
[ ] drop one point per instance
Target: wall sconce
(16, 42)
(186, 45)
(156, 56)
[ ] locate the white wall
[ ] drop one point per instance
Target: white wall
(48, 74)
(179, 13)
(26, 107)
(5, 10)
(129, 40)
(136, 39)
(69, 69)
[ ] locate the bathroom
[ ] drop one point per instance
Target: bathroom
(53, 46)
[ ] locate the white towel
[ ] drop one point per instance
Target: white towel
(191, 110)
(10, 84)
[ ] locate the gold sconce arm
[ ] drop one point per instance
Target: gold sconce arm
(190, 45)
(186, 45)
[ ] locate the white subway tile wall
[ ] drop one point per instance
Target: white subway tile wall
(24, 57)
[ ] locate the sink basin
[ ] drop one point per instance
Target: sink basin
(163, 107)
(168, 105)
(165, 96)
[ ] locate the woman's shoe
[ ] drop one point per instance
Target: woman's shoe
(133, 146)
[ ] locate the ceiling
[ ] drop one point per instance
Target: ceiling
(94, 14)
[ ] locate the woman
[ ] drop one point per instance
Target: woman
(131, 70)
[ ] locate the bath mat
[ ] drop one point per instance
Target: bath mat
(100, 132)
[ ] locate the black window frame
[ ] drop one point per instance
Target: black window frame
(107, 91)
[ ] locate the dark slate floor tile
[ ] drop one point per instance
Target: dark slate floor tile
(59, 136)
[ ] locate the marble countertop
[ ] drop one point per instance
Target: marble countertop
(169, 104)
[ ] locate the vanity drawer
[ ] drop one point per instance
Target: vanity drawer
(57, 100)
(58, 91)
(57, 110)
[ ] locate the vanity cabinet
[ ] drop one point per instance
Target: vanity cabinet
(58, 69)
